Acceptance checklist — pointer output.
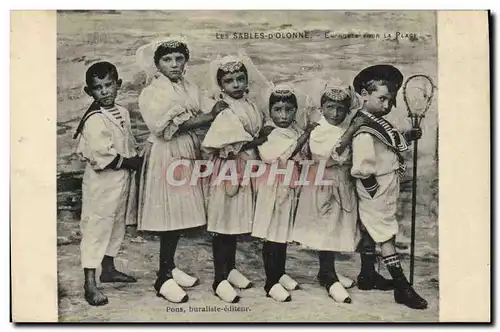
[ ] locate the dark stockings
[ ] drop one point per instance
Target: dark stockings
(327, 275)
(168, 245)
(274, 255)
(224, 253)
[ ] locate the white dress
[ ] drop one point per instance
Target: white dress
(231, 205)
(276, 202)
(163, 206)
(327, 214)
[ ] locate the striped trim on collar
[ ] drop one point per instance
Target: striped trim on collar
(395, 138)
(390, 136)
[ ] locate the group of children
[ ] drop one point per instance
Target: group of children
(361, 158)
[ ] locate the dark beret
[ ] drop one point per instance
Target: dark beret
(378, 72)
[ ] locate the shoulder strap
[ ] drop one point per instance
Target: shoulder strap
(94, 108)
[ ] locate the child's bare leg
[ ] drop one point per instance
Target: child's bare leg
(403, 291)
(388, 248)
(92, 294)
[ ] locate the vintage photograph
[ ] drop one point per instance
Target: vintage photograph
(247, 166)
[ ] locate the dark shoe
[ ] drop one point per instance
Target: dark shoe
(116, 276)
(406, 295)
(374, 281)
(403, 291)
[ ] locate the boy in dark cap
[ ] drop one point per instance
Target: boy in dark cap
(378, 166)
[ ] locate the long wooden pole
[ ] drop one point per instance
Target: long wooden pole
(413, 211)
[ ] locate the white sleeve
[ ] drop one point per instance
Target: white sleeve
(226, 134)
(99, 141)
(162, 117)
(363, 156)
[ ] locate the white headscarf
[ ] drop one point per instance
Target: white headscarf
(256, 81)
(337, 90)
(145, 54)
(305, 104)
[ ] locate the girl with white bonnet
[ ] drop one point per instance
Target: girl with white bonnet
(172, 108)
(232, 140)
(276, 200)
(327, 218)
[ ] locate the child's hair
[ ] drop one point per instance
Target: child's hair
(336, 95)
(372, 85)
(286, 97)
(232, 67)
(100, 70)
(171, 47)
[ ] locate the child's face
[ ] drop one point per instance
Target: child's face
(378, 102)
(104, 90)
(172, 65)
(234, 84)
(283, 113)
(334, 112)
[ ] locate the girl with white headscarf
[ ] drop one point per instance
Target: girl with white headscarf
(232, 140)
(172, 108)
(276, 197)
(327, 218)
